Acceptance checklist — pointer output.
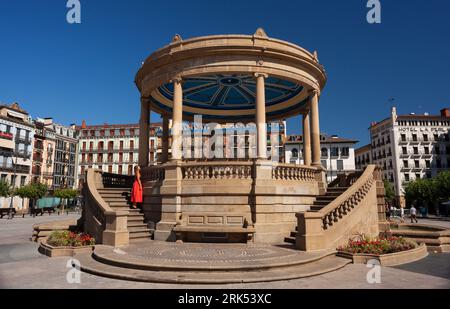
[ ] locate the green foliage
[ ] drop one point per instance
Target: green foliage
(32, 191)
(66, 193)
(389, 191)
(443, 185)
(5, 189)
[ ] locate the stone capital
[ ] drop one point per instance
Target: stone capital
(176, 79)
(314, 91)
(257, 74)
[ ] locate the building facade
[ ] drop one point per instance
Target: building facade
(66, 156)
(337, 154)
(410, 147)
(363, 157)
(44, 152)
(113, 148)
(16, 147)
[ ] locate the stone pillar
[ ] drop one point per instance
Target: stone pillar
(144, 130)
(165, 139)
(306, 140)
(315, 128)
(177, 119)
(261, 116)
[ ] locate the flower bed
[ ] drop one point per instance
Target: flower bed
(70, 239)
(66, 243)
(382, 245)
(388, 251)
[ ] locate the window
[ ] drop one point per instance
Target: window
(404, 150)
(405, 163)
(131, 144)
(120, 170)
(121, 145)
(416, 150)
(324, 164)
(414, 137)
(110, 169)
(91, 145)
(403, 137)
(417, 176)
(120, 157)
(427, 164)
(345, 151)
(22, 180)
(340, 165)
(428, 175)
(84, 145)
(324, 152)
(426, 150)
(425, 137)
(406, 177)
(295, 153)
(416, 163)
(13, 179)
(131, 157)
(130, 169)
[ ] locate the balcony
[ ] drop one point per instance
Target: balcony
(403, 142)
(22, 169)
(406, 168)
(416, 154)
(405, 155)
(23, 139)
(6, 135)
(414, 141)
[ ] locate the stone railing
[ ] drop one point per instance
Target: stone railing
(98, 219)
(117, 181)
(217, 170)
(354, 211)
(345, 180)
(282, 171)
(153, 173)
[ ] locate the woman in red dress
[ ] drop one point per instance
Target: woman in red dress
(136, 191)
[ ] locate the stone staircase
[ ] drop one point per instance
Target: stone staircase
(119, 199)
(320, 202)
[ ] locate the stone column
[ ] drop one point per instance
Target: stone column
(144, 128)
(177, 119)
(261, 116)
(165, 139)
(306, 140)
(315, 128)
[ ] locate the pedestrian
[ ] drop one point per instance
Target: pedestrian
(387, 209)
(136, 191)
(413, 214)
(402, 214)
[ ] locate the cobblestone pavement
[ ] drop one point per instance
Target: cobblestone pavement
(21, 266)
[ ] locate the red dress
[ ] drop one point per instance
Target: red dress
(136, 193)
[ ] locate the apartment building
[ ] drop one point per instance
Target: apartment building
(337, 153)
(16, 147)
(409, 147)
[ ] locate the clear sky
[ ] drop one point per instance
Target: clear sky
(86, 71)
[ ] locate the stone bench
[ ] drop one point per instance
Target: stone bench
(5, 212)
(213, 230)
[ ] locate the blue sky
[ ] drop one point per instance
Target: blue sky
(86, 71)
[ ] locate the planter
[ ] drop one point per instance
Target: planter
(390, 259)
(51, 251)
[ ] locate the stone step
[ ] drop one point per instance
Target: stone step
(139, 224)
(321, 203)
(325, 198)
(290, 240)
(316, 208)
(140, 235)
(208, 276)
(136, 218)
(138, 229)
(114, 198)
(114, 189)
(118, 204)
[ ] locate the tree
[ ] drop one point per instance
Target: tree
(389, 192)
(5, 189)
(33, 191)
(443, 186)
(65, 194)
(423, 191)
